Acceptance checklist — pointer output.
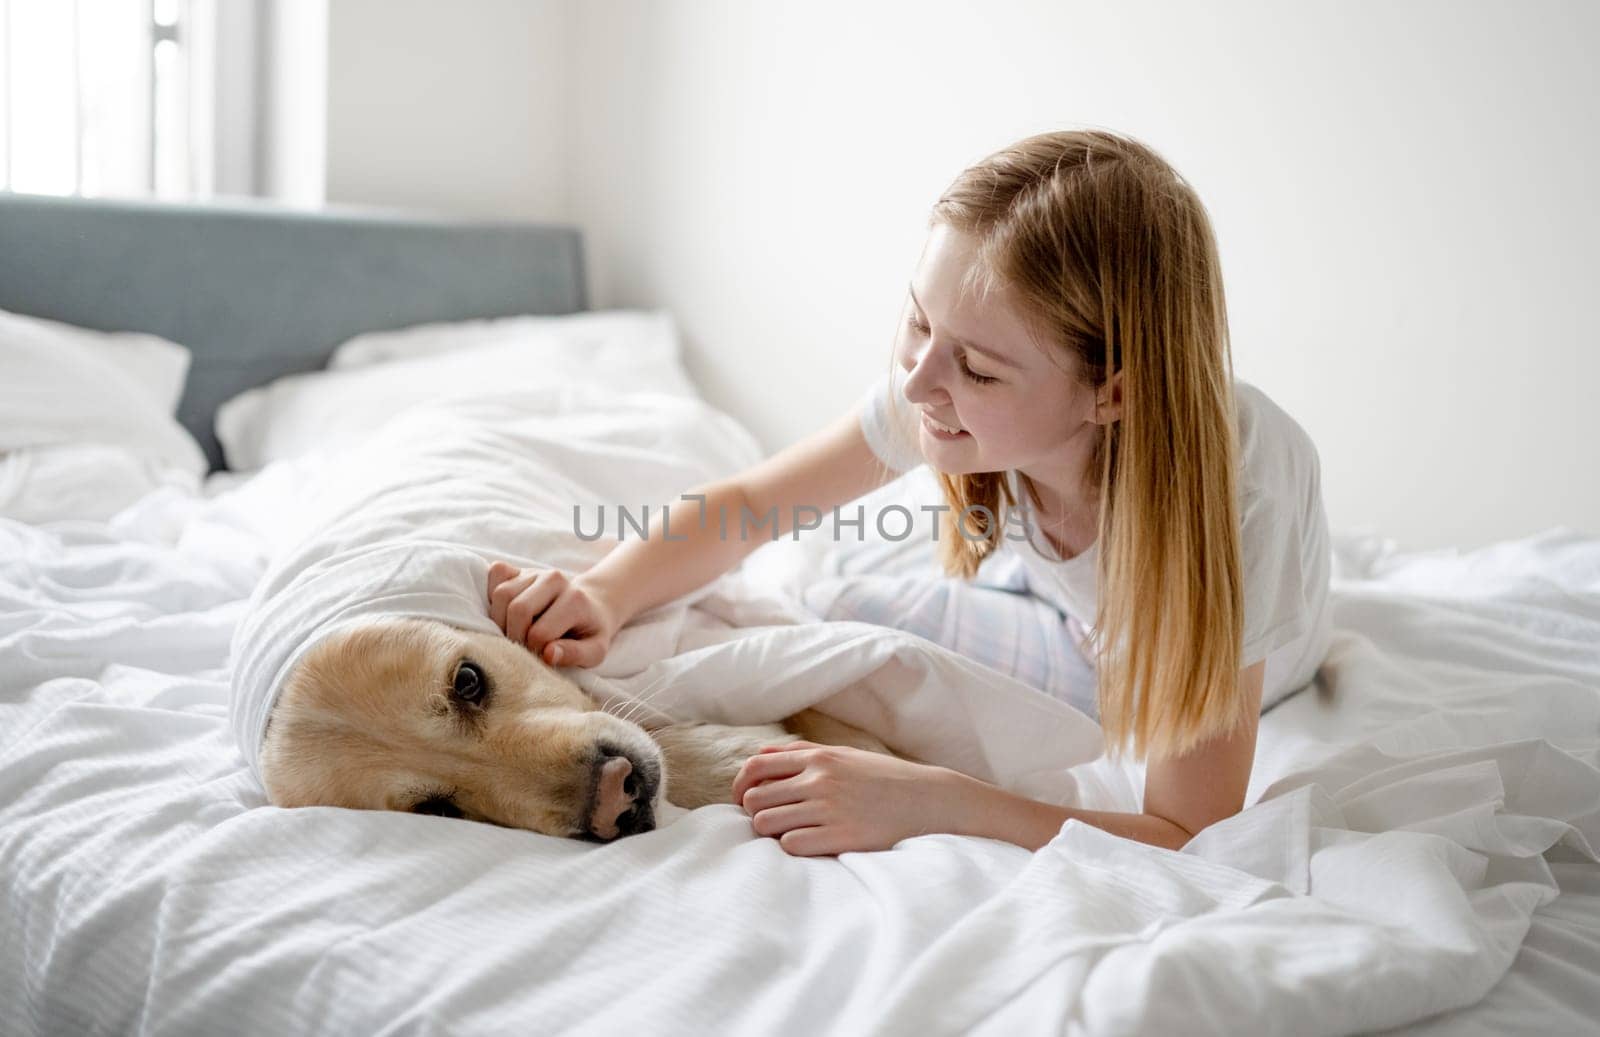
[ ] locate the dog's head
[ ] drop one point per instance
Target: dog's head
(419, 716)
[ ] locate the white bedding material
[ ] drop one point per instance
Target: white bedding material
(407, 524)
(376, 375)
(1390, 871)
(71, 396)
(89, 481)
(635, 345)
(147, 366)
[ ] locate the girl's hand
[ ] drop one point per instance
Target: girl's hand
(830, 799)
(559, 619)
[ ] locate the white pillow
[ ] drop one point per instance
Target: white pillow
(69, 386)
(376, 375)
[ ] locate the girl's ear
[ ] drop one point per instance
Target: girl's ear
(1108, 401)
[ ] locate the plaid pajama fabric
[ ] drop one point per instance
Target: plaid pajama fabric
(994, 620)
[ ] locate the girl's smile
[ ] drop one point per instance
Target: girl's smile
(941, 431)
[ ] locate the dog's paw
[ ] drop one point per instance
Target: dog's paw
(703, 759)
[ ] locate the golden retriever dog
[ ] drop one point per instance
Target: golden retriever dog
(419, 716)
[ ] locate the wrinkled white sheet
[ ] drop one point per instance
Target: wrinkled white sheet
(91, 481)
(1406, 819)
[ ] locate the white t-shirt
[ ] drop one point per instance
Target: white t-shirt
(1285, 549)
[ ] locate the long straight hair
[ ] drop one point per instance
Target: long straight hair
(1111, 257)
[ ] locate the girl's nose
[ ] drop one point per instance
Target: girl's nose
(924, 380)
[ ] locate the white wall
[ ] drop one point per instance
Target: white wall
(458, 107)
(1402, 194)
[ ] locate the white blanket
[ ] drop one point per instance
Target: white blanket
(407, 523)
(1403, 825)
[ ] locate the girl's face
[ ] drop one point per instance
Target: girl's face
(973, 365)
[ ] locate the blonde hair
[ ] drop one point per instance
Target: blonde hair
(1110, 255)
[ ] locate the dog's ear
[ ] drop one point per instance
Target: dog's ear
(353, 656)
(317, 698)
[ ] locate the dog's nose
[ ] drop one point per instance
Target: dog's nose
(621, 802)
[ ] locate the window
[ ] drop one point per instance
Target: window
(108, 97)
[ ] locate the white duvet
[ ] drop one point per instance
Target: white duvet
(1406, 819)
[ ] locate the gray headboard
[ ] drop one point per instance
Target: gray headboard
(256, 291)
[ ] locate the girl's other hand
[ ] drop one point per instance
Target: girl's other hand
(557, 617)
(831, 799)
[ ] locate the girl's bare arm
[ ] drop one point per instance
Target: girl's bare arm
(828, 468)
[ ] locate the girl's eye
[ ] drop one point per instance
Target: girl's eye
(922, 329)
(470, 684)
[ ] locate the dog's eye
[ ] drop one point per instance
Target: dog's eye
(470, 684)
(438, 806)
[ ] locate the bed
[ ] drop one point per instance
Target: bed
(1418, 851)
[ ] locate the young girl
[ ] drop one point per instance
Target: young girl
(1064, 361)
